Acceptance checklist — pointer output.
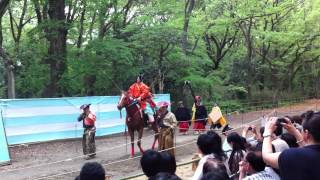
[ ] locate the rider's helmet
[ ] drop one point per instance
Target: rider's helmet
(140, 77)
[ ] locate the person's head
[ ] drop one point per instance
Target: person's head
(311, 128)
(210, 143)
(236, 141)
(290, 140)
(254, 162)
(216, 144)
(180, 104)
(92, 171)
(296, 119)
(198, 99)
(85, 108)
(213, 165)
(150, 162)
(164, 176)
(163, 106)
(140, 78)
(168, 163)
(305, 114)
(205, 144)
(218, 174)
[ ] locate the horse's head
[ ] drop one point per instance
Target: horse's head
(124, 100)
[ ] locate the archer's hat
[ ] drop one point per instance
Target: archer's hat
(84, 106)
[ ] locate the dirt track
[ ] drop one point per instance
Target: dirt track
(63, 157)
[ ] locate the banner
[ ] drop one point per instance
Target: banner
(36, 120)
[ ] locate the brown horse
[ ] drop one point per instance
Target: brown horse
(134, 121)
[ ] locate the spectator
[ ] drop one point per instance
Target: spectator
(92, 171)
(255, 138)
(214, 165)
(297, 122)
(168, 163)
(216, 175)
(150, 163)
(278, 145)
(209, 146)
(295, 163)
(290, 140)
(238, 151)
(296, 119)
(165, 176)
(217, 146)
(255, 166)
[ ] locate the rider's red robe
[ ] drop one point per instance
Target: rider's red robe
(141, 90)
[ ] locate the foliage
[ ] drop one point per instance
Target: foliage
(233, 50)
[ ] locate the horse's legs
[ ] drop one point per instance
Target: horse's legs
(156, 134)
(131, 132)
(139, 139)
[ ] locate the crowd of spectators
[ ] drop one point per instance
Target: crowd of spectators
(286, 148)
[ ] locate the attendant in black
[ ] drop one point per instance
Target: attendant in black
(200, 115)
(183, 117)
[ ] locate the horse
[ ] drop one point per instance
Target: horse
(134, 121)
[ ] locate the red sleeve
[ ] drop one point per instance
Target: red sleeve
(131, 90)
(145, 91)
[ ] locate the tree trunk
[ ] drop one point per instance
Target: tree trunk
(57, 37)
(246, 29)
(187, 14)
(11, 82)
(9, 66)
(160, 81)
(160, 71)
(91, 25)
(1, 36)
(79, 43)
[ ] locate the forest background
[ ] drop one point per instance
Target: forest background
(233, 51)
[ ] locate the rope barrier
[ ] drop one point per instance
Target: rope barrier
(108, 149)
(123, 160)
(228, 114)
(77, 157)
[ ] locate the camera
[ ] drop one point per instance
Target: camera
(250, 128)
(279, 121)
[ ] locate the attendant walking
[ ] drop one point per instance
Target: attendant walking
(88, 139)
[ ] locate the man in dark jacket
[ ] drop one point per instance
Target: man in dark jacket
(183, 116)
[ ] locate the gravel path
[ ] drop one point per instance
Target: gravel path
(37, 161)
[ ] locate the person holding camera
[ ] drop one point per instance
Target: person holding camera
(88, 140)
(252, 167)
(295, 163)
(255, 138)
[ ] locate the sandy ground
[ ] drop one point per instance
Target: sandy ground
(63, 159)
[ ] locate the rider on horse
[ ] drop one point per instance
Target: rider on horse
(141, 92)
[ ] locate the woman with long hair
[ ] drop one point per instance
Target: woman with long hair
(238, 145)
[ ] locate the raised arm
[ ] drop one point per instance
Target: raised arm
(269, 157)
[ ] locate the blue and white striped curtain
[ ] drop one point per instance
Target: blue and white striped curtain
(36, 120)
